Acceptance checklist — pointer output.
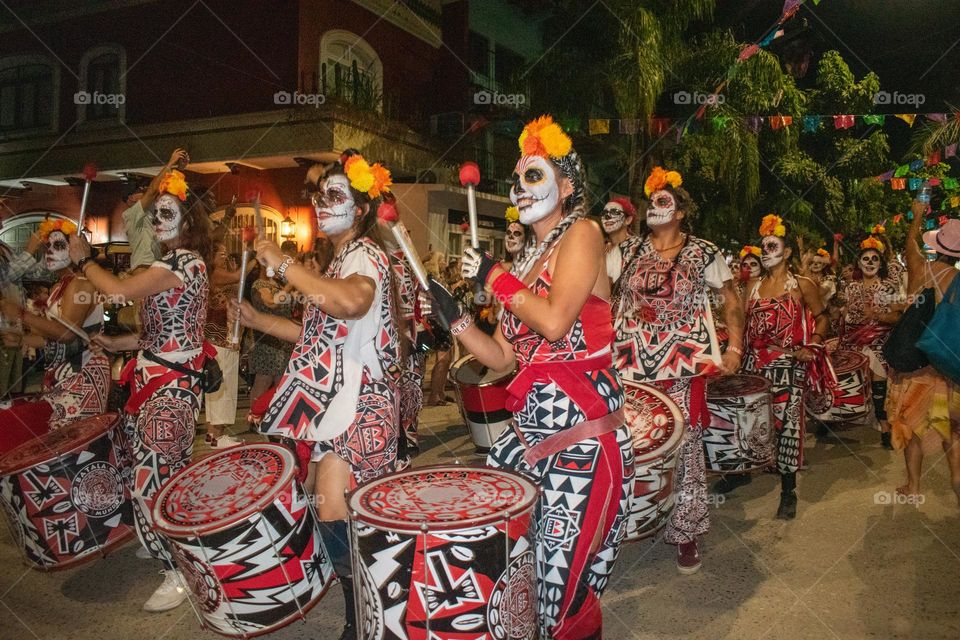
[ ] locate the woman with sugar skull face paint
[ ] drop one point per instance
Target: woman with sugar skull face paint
(567, 398)
(75, 380)
(786, 325)
(666, 337)
(349, 335)
(164, 405)
(818, 266)
(617, 219)
(750, 266)
(514, 239)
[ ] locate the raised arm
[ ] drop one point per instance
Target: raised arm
(153, 190)
(912, 251)
(145, 283)
(75, 305)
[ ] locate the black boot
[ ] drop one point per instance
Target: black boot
(336, 540)
(729, 482)
(350, 627)
(885, 440)
(788, 497)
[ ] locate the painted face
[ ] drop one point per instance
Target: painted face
(772, 251)
(167, 217)
(513, 239)
(818, 264)
(663, 208)
(613, 217)
(336, 209)
(58, 253)
(869, 263)
(536, 188)
(752, 265)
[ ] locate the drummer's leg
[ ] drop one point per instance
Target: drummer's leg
(791, 417)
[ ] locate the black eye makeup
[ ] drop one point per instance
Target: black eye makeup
(533, 175)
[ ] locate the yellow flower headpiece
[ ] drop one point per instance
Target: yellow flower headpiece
(772, 225)
(544, 137)
(659, 178)
(366, 178)
(823, 253)
(174, 183)
(66, 227)
(872, 243)
(751, 250)
(512, 215)
(878, 229)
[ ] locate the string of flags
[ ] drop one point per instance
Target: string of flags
(900, 180)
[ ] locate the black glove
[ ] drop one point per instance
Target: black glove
(445, 306)
(476, 265)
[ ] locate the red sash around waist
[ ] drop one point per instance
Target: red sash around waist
(567, 374)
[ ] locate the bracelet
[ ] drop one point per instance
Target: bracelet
(461, 325)
(282, 269)
(736, 350)
(83, 262)
(505, 287)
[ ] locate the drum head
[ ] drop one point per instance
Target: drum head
(215, 492)
(846, 361)
(56, 443)
(736, 386)
(469, 371)
(441, 498)
(654, 419)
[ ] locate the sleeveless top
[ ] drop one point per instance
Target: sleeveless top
(75, 352)
(173, 320)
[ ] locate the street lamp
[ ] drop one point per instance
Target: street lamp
(288, 228)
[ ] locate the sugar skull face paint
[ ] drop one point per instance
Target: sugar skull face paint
(773, 248)
(167, 217)
(336, 209)
(513, 238)
(58, 252)
(818, 264)
(536, 189)
(613, 217)
(752, 265)
(870, 263)
(663, 208)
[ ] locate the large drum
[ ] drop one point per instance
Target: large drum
(23, 428)
(64, 495)
(444, 552)
(658, 427)
(740, 438)
(244, 534)
(482, 397)
(852, 401)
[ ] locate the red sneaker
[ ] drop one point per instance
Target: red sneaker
(688, 558)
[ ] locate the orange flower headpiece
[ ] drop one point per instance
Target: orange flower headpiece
(512, 215)
(544, 137)
(175, 184)
(659, 178)
(872, 243)
(878, 229)
(772, 225)
(749, 250)
(823, 253)
(66, 227)
(371, 179)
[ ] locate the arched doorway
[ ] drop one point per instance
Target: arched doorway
(16, 230)
(245, 218)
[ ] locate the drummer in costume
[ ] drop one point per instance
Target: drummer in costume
(868, 320)
(165, 378)
(666, 337)
(750, 266)
(514, 239)
(567, 399)
(786, 324)
(76, 379)
(617, 219)
(818, 268)
(337, 399)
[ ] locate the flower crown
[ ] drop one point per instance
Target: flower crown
(823, 253)
(772, 225)
(878, 229)
(66, 227)
(659, 178)
(511, 215)
(366, 178)
(174, 183)
(751, 250)
(872, 243)
(544, 137)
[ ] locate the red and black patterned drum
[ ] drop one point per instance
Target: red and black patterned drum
(658, 427)
(244, 533)
(740, 438)
(64, 494)
(482, 396)
(444, 552)
(852, 398)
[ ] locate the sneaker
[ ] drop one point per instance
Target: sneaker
(688, 558)
(223, 442)
(142, 553)
(169, 595)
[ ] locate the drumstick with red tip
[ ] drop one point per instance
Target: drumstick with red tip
(470, 178)
(89, 173)
(249, 235)
(387, 213)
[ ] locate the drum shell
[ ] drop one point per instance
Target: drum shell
(83, 510)
(483, 405)
(852, 399)
(740, 437)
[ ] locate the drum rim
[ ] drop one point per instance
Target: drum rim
(439, 527)
(675, 409)
(165, 526)
(766, 384)
(456, 366)
(52, 452)
(860, 358)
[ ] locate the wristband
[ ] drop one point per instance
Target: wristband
(736, 350)
(282, 269)
(505, 287)
(462, 325)
(83, 262)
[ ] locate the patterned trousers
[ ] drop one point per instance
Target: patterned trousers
(411, 398)
(788, 384)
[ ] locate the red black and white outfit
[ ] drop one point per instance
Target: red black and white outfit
(666, 337)
(410, 388)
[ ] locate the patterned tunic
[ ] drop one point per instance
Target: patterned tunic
(410, 388)
(864, 335)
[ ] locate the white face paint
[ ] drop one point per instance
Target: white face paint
(752, 265)
(663, 208)
(58, 252)
(869, 263)
(772, 255)
(513, 239)
(336, 209)
(167, 217)
(536, 188)
(613, 217)
(818, 264)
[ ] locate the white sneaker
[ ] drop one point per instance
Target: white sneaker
(226, 441)
(168, 595)
(142, 553)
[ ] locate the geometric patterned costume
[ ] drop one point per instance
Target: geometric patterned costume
(587, 485)
(410, 390)
(861, 334)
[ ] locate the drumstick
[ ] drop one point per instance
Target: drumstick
(80, 333)
(387, 213)
(89, 173)
(261, 226)
(470, 178)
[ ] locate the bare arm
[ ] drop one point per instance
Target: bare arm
(153, 190)
(492, 351)
(148, 282)
(733, 314)
(811, 299)
(282, 328)
(912, 251)
(115, 344)
(75, 305)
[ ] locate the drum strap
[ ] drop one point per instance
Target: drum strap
(571, 436)
(567, 374)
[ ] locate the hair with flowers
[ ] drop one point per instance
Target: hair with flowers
(878, 229)
(660, 178)
(750, 250)
(772, 225)
(371, 179)
(512, 214)
(823, 253)
(174, 183)
(48, 226)
(544, 137)
(871, 243)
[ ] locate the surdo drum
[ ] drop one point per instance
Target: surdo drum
(482, 397)
(658, 427)
(244, 534)
(444, 552)
(64, 494)
(851, 402)
(740, 438)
